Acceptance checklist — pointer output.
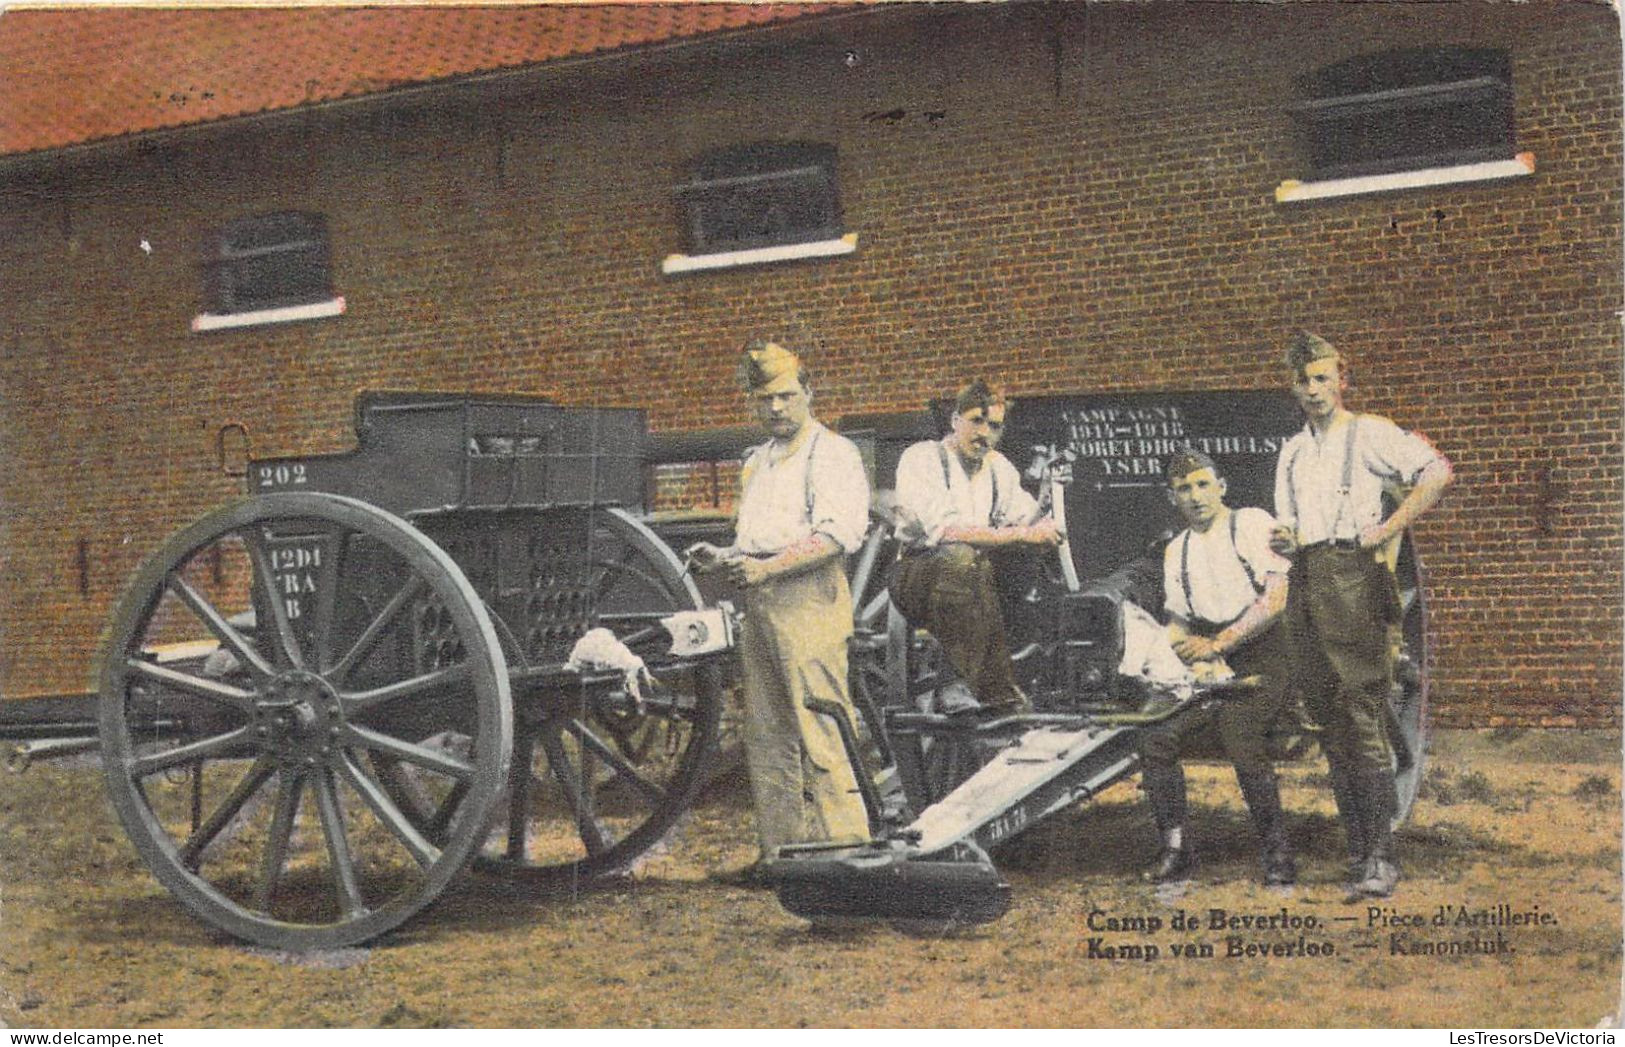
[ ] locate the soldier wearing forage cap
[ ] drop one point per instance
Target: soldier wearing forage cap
(803, 505)
(1329, 483)
(957, 498)
(1225, 592)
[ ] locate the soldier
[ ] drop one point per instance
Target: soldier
(1342, 598)
(957, 498)
(1225, 592)
(803, 505)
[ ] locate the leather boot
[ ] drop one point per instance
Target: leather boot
(1263, 795)
(1174, 863)
(1164, 783)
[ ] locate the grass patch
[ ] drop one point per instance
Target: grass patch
(403, 1016)
(1595, 788)
(1446, 789)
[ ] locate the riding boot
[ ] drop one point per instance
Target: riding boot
(1381, 804)
(1263, 795)
(1164, 784)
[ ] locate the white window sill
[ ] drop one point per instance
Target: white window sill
(285, 314)
(1290, 191)
(687, 263)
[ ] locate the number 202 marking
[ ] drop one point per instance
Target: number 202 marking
(282, 475)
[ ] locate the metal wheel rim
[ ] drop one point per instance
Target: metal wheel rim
(1411, 695)
(486, 679)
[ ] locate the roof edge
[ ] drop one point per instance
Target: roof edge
(843, 9)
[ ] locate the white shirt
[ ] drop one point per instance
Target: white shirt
(1309, 476)
(1220, 590)
(820, 487)
(930, 502)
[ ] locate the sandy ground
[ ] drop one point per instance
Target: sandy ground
(1525, 820)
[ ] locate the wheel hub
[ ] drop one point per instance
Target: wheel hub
(298, 717)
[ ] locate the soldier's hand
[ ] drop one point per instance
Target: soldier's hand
(1284, 539)
(701, 555)
(1193, 649)
(1044, 532)
(747, 571)
(1373, 536)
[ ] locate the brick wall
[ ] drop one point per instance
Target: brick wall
(1091, 207)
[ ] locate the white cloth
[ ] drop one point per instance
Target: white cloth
(1220, 590)
(927, 505)
(820, 487)
(1149, 655)
(1309, 476)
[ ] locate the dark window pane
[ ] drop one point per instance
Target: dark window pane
(1407, 110)
(267, 261)
(760, 195)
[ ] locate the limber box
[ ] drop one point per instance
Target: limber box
(422, 452)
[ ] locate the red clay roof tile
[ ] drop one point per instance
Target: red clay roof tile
(80, 75)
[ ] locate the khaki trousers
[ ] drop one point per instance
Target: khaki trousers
(1339, 606)
(951, 590)
(792, 648)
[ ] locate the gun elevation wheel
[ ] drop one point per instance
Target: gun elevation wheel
(265, 817)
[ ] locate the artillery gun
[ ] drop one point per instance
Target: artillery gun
(389, 631)
(319, 704)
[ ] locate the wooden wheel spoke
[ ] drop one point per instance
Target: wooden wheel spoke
(613, 571)
(223, 630)
(142, 766)
(375, 629)
(338, 847)
(284, 642)
(439, 680)
(383, 808)
(421, 755)
(223, 693)
(607, 550)
(276, 846)
(322, 611)
(622, 767)
(191, 853)
(592, 834)
(448, 809)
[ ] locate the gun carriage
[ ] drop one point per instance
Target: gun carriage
(319, 704)
(389, 632)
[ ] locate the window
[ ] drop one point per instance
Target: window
(761, 195)
(266, 262)
(1407, 110)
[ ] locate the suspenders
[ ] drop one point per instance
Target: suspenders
(948, 481)
(812, 448)
(1185, 564)
(1343, 488)
(751, 464)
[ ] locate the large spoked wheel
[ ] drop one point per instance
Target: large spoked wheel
(290, 643)
(1408, 698)
(596, 781)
